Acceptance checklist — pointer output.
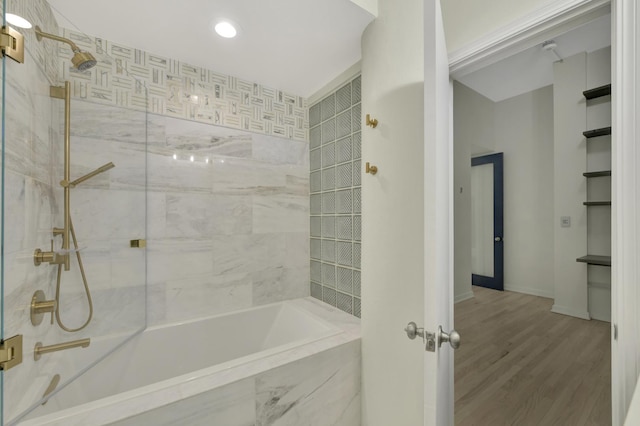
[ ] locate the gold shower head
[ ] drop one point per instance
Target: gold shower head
(81, 60)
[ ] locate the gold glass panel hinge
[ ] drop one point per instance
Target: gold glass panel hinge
(10, 352)
(12, 44)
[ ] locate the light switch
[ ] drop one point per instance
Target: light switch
(565, 221)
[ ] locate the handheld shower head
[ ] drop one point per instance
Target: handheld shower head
(81, 60)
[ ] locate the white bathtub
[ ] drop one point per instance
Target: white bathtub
(172, 373)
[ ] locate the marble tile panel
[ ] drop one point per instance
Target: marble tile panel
(164, 173)
(206, 295)
(156, 303)
(189, 137)
(289, 395)
(128, 265)
(28, 122)
(232, 176)
(30, 212)
(172, 259)
(234, 254)
(277, 284)
(107, 122)
(103, 214)
(230, 405)
(297, 249)
(276, 150)
(116, 312)
(156, 215)
(280, 213)
(202, 215)
(298, 182)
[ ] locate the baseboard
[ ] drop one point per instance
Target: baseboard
(571, 312)
(601, 316)
(464, 296)
(531, 291)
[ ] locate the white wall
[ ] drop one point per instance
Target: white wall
(524, 132)
(521, 128)
(473, 131)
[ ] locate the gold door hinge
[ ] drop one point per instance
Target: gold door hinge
(11, 352)
(12, 44)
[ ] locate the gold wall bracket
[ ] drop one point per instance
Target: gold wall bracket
(10, 352)
(371, 169)
(140, 243)
(372, 123)
(12, 44)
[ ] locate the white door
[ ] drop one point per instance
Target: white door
(407, 234)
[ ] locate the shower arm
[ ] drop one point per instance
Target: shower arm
(40, 34)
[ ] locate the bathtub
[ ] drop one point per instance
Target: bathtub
(286, 363)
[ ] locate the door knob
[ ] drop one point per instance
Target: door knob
(453, 337)
(413, 330)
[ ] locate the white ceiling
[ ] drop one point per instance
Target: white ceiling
(294, 45)
(533, 68)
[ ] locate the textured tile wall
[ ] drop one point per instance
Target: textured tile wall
(180, 90)
(335, 181)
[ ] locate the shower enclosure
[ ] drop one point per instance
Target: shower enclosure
(73, 218)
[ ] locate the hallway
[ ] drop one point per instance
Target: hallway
(520, 364)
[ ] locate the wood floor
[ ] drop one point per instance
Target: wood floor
(520, 364)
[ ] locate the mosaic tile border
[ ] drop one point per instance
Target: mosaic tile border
(335, 205)
(177, 89)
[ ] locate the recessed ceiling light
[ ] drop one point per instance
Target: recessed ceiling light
(18, 21)
(226, 29)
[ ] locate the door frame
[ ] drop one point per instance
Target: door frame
(497, 281)
(532, 29)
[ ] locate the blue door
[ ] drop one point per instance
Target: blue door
(487, 246)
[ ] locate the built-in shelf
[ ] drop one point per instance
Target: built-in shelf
(597, 174)
(595, 260)
(597, 203)
(598, 92)
(597, 132)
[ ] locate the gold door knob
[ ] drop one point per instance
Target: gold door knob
(373, 123)
(371, 169)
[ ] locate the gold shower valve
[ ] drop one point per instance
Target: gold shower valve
(371, 169)
(372, 123)
(41, 306)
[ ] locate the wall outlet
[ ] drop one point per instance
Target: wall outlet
(565, 221)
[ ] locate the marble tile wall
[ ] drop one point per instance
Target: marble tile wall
(228, 219)
(335, 183)
(33, 206)
(180, 90)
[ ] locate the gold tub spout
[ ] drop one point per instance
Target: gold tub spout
(39, 350)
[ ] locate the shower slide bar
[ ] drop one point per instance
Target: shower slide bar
(62, 257)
